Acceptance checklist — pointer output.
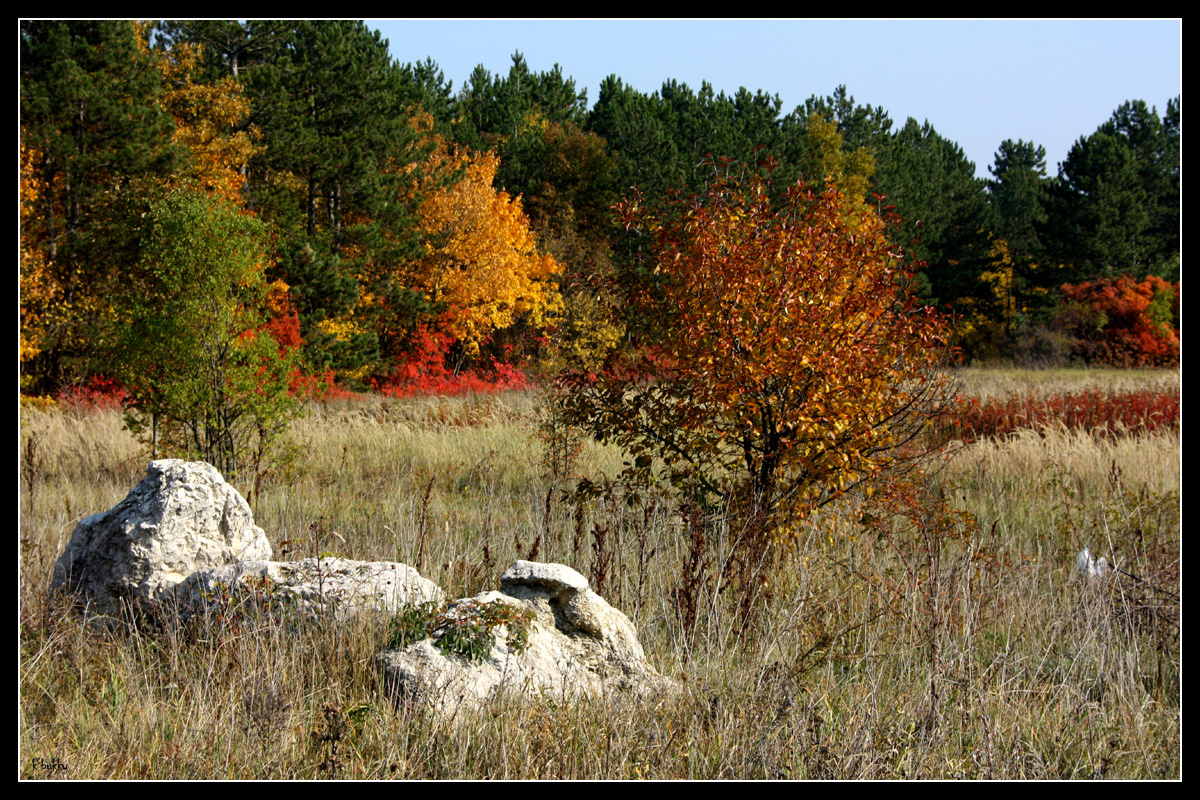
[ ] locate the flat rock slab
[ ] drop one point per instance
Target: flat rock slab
(549, 579)
(311, 586)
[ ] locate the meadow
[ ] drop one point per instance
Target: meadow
(944, 635)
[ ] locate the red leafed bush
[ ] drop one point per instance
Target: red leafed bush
(424, 372)
(1131, 324)
(100, 393)
(320, 387)
(1104, 414)
(285, 328)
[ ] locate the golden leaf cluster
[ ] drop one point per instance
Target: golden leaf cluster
(481, 257)
(208, 122)
(37, 291)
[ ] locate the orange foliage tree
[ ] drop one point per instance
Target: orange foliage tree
(37, 287)
(785, 361)
(1129, 323)
(209, 120)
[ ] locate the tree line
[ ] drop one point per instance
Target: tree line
(375, 226)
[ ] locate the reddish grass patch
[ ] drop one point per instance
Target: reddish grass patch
(1102, 413)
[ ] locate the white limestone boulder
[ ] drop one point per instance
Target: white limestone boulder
(576, 644)
(180, 518)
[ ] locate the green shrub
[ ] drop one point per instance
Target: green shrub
(465, 630)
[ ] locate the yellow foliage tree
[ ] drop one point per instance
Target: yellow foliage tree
(208, 120)
(999, 278)
(849, 171)
(481, 258)
(37, 288)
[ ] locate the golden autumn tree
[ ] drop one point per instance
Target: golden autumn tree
(209, 119)
(38, 289)
(829, 161)
(784, 360)
(481, 261)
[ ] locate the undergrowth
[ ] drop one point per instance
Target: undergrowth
(466, 628)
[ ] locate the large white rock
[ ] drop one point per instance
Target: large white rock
(578, 645)
(182, 517)
(311, 586)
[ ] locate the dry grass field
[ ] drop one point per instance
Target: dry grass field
(919, 643)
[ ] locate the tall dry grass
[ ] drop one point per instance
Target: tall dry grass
(986, 382)
(925, 646)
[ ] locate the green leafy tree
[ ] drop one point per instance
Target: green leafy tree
(333, 179)
(205, 378)
(231, 48)
(339, 127)
(1155, 143)
(497, 106)
(90, 110)
(642, 142)
(835, 137)
(322, 290)
(1114, 208)
(702, 126)
(678, 139)
(510, 115)
(1017, 195)
(1100, 209)
(860, 126)
(431, 93)
(1166, 217)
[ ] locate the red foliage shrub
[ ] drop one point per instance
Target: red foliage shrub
(100, 393)
(320, 387)
(423, 372)
(285, 328)
(1132, 323)
(1104, 414)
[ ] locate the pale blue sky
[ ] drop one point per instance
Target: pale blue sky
(977, 82)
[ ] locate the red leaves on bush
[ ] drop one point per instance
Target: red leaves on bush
(320, 387)
(1133, 321)
(1103, 414)
(285, 329)
(423, 372)
(100, 393)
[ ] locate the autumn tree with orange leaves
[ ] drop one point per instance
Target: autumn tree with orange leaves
(1124, 322)
(480, 269)
(783, 359)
